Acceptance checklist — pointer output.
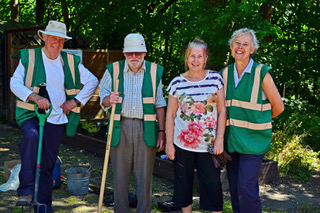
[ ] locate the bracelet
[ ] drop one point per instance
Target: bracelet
(162, 130)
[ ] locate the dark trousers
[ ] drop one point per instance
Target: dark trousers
(243, 176)
(209, 180)
(28, 148)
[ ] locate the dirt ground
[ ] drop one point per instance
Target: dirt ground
(283, 195)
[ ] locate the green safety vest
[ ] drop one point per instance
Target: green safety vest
(151, 79)
(249, 129)
(35, 74)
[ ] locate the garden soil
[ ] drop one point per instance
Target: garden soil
(284, 195)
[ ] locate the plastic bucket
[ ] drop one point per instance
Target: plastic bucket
(56, 174)
(78, 180)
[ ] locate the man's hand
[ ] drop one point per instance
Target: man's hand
(113, 98)
(161, 141)
(42, 102)
(68, 106)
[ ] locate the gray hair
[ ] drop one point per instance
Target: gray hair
(246, 31)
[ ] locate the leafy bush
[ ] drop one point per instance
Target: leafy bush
(294, 158)
(300, 117)
(90, 127)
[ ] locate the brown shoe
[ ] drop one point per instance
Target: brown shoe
(24, 200)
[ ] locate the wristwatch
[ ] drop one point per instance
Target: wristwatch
(162, 130)
(76, 100)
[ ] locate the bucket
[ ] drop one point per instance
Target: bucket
(56, 174)
(78, 180)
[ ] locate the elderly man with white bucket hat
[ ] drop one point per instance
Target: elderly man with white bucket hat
(63, 75)
(135, 134)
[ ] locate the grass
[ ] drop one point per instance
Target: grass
(97, 171)
(17, 210)
(310, 208)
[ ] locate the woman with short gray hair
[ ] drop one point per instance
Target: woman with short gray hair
(252, 100)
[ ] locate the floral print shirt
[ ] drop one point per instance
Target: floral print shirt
(196, 120)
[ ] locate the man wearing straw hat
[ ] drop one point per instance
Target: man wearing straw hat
(63, 74)
(139, 103)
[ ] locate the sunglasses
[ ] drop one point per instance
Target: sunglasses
(138, 54)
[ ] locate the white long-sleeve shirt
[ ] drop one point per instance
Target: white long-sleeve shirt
(55, 86)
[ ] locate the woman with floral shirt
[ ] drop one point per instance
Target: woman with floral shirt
(196, 118)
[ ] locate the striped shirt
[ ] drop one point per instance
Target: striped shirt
(196, 121)
(132, 95)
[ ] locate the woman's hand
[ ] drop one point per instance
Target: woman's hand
(170, 151)
(218, 146)
(171, 114)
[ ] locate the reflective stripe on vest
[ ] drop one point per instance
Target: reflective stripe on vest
(225, 76)
(29, 77)
(252, 105)
(249, 125)
(145, 100)
(30, 107)
(30, 70)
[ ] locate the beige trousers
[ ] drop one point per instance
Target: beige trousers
(132, 154)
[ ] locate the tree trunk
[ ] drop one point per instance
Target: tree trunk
(267, 9)
(65, 12)
(40, 10)
(14, 5)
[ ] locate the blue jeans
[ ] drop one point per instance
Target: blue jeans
(28, 148)
(243, 176)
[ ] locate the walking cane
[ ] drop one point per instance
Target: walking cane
(106, 157)
(42, 120)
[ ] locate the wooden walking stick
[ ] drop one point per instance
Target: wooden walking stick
(106, 157)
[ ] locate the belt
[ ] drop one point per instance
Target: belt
(125, 118)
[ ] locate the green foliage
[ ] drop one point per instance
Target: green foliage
(18, 210)
(298, 161)
(293, 157)
(288, 31)
(306, 118)
(90, 127)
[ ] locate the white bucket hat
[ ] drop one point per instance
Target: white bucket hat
(134, 42)
(55, 28)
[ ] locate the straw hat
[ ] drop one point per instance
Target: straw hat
(55, 28)
(134, 42)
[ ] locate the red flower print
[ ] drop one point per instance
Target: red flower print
(196, 128)
(189, 139)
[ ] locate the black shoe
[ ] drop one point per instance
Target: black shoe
(133, 202)
(168, 206)
(24, 200)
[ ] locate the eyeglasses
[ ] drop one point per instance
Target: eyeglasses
(137, 54)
